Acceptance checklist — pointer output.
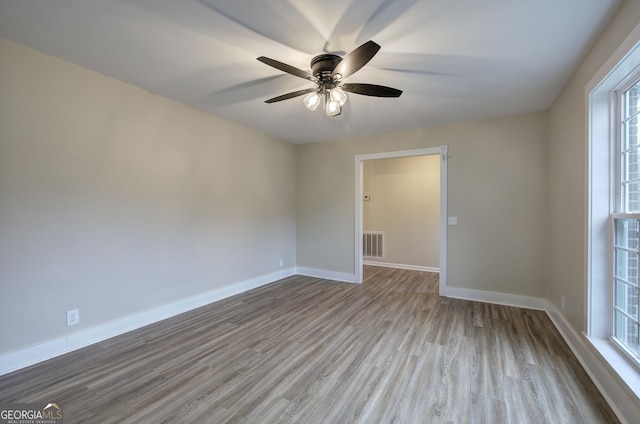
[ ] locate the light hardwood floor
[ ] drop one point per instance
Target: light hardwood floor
(305, 350)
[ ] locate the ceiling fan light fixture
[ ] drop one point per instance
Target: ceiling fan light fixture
(339, 96)
(312, 100)
(328, 70)
(331, 107)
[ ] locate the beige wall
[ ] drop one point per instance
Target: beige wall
(567, 173)
(115, 201)
(404, 204)
(496, 188)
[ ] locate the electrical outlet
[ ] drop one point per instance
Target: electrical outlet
(562, 303)
(281, 262)
(73, 317)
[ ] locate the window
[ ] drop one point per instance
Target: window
(625, 285)
(629, 108)
(613, 221)
(625, 329)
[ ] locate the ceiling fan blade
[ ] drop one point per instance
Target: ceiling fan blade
(355, 60)
(287, 68)
(291, 95)
(372, 90)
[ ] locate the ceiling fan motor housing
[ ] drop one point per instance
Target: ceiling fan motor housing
(323, 65)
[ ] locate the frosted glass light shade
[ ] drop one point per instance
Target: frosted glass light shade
(332, 108)
(338, 96)
(312, 100)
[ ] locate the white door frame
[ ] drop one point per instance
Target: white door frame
(442, 151)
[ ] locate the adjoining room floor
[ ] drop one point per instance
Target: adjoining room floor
(306, 350)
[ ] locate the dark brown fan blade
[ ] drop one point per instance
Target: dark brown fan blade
(291, 95)
(372, 90)
(287, 68)
(355, 60)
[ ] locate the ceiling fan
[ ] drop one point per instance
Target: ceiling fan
(328, 71)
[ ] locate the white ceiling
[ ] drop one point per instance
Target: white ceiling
(456, 60)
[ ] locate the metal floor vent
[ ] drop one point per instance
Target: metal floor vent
(373, 244)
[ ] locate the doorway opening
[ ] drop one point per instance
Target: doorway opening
(441, 151)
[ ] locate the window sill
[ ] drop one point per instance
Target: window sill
(626, 372)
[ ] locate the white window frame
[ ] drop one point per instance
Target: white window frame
(601, 156)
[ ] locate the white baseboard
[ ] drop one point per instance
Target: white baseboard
(620, 396)
(495, 297)
(402, 266)
(327, 275)
(13, 361)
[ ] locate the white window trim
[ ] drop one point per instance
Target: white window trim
(599, 185)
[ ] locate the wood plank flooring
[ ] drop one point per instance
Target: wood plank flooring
(305, 350)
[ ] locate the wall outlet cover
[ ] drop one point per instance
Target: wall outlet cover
(73, 317)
